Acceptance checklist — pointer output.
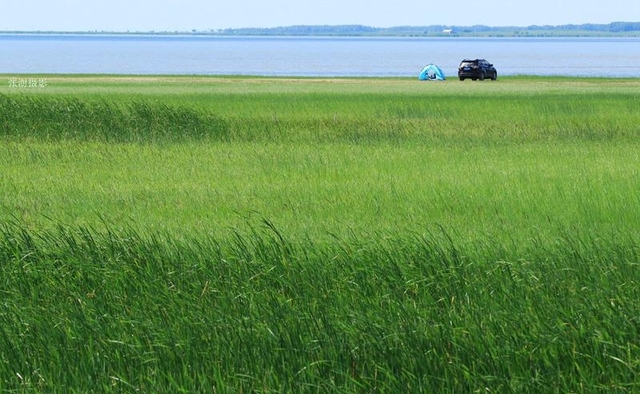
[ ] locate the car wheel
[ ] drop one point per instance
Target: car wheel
(482, 76)
(462, 78)
(495, 76)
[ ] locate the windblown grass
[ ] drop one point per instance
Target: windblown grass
(320, 191)
(47, 119)
(188, 234)
(89, 310)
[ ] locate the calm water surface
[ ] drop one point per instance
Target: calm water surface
(313, 56)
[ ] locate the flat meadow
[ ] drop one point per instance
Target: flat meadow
(254, 234)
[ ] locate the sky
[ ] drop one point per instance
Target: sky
(201, 15)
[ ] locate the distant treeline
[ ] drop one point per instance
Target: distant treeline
(615, 28)
(569, 30)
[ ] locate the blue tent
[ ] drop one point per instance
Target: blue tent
(431, 72)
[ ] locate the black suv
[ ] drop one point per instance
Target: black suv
(477, 69)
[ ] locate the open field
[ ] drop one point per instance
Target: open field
(304, 234)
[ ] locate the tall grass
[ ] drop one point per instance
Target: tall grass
(68, 118)
(259, 235)
(312, 112)
(95, 310)
(510, 195)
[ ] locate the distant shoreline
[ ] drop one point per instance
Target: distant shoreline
(614, 29)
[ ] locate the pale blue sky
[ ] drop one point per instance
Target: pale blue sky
(169, 15)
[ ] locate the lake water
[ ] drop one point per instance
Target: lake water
(313, 56)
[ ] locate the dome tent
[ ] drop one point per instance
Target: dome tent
(431, 72)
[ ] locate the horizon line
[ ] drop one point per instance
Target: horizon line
(219, 30)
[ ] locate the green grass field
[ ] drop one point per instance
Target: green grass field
(245, 234)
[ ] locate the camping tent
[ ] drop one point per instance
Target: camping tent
(431, 72)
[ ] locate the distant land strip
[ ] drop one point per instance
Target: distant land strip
(614, 29)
